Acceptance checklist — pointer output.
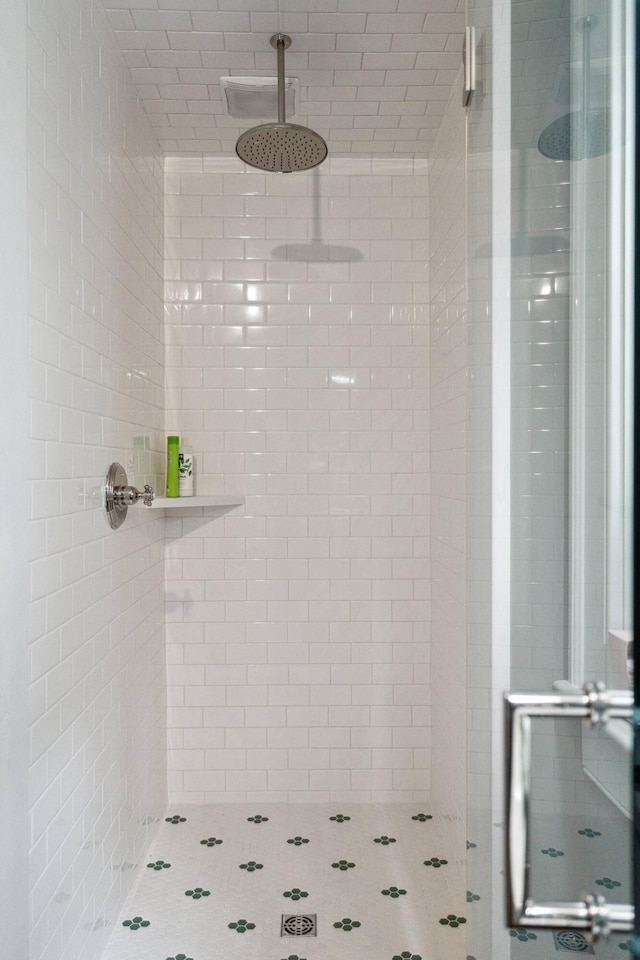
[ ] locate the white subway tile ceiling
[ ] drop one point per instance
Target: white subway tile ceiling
(375, 75)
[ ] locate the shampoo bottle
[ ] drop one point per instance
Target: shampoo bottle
(186, 467)
(173, 444)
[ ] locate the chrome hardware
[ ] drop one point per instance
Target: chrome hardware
(598, 916)
(600, 703)
(120, 495)
(469, 63)
(596, 705)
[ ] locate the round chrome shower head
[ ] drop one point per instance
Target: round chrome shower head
(576, 136)
(281, 147)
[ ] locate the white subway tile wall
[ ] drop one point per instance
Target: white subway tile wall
(540, 408)
(96, 361)
(297, 365)
(448, 412)
(374, 77)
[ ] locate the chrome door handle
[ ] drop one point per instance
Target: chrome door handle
(596, 705)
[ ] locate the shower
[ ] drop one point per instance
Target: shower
(281, 147)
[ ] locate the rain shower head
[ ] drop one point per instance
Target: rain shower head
(582, 134)
(281, 147)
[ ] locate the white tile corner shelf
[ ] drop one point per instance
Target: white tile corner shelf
(173, 503)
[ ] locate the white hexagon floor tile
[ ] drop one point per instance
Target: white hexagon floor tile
(386, 883)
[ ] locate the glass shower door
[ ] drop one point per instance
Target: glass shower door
(561, 456)
(569, 811)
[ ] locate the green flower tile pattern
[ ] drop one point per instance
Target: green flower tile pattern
(552, 852)
(588, 832)
(523, 935)
(241, 926)
(197, 893)
(295, 894)
(136, 923)
(632, 945)
(608, 883)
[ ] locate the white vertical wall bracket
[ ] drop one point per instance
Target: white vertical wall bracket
(469, 64)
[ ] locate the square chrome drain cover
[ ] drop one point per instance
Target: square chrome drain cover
(299, 925)
(572, 941)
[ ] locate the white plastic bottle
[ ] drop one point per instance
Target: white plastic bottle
(186, 470)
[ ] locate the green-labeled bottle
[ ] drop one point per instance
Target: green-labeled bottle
(173, 450)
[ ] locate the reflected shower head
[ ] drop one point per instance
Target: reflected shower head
(576, 136)
(281, 147)
(582, 134)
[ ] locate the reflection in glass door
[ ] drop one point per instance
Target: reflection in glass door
(552, 133)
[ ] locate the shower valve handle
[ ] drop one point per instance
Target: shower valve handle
(130, 495)
(120, 495)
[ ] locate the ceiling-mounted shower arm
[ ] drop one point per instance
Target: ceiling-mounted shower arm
(281, 147)
(281, 42)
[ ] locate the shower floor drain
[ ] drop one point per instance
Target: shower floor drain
(572, 941)
(298, 925)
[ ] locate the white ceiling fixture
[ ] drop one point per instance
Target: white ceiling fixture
(256, 98)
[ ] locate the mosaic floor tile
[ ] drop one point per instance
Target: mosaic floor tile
(295, 894)
(347, 924)
(283, 852)
(451, 920)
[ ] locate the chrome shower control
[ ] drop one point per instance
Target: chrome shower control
(120, 495)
